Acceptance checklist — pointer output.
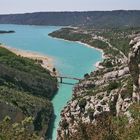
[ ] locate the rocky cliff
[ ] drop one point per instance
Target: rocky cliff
(103, 104)
(134, 66)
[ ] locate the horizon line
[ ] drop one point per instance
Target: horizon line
(70, 11)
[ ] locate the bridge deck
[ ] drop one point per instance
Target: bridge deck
(68, 77)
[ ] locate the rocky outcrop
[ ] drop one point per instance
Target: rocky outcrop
(134, 66)
(104, 91)
(94, 96)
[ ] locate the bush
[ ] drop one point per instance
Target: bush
(90, 112)
(82, 104)
(86, 76)
(107, 63)
(113, 85)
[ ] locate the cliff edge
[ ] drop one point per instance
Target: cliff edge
(105, 105)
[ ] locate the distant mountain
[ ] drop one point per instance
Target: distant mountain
(93, 18)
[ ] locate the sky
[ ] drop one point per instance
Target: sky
(27, 6)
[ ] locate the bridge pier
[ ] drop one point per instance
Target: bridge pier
(61, 80)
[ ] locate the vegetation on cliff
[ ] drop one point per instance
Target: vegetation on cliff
(110, 127)
(25, 74)
(17, 131)
(25, 91)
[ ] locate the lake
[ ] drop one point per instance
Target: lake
(70, 58)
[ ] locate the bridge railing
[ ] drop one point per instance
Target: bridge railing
(67, 77)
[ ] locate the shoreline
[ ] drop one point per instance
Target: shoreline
(97, 64)
(47, 60)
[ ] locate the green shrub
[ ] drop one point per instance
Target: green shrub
(113, 85)
(82, 104)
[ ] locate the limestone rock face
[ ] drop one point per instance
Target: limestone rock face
(134, 66)
(106, 90)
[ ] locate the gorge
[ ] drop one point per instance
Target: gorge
(36, 39)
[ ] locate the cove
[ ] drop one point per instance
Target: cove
(70, 58)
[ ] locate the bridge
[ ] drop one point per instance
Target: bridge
(67, 77)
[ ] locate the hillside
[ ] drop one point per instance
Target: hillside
(99, 19)
(25, 92)
(105, 104)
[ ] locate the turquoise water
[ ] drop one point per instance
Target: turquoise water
(70, 58)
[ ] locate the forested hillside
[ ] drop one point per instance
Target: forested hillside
(25, 92)
(118, 18)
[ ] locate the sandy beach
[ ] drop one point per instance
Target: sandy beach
(47, 60)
